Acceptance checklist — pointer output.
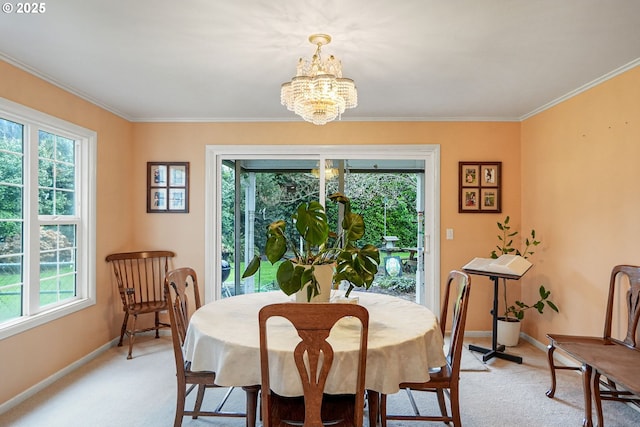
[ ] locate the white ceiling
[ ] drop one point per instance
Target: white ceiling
(206, 60)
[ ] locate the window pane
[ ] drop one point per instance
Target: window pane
(10, 136)
(45, 202)
(57, 263)
(65, 176)
(45, 173)
(64, 203)
(10, 288)
(10, 238)
(46, 145)
(10, 168)
(11, 244)
(56, 175)
(65, 150)
(10, 203)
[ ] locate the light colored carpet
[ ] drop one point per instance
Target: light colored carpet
(111, 391)
(472, 361)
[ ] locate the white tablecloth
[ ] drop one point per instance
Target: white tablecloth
(404, 341)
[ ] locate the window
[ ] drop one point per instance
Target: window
(47, 224)
(236, 180)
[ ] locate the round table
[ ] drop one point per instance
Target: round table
(404, 342)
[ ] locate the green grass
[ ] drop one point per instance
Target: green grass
(52, 290)
(264, 279)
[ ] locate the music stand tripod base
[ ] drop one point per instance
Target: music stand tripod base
(496, 350)
(488, 353)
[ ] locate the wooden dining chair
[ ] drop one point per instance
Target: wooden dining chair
(140, 277)
(313, 358)
(175, 286)
(444, 380)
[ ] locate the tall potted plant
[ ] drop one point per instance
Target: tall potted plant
(509, 324)
(322, 249)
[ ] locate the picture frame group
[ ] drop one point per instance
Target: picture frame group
(480, 189)
(167, 187)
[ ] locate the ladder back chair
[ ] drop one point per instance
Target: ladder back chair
(176, 287)
(444, 380)
(313, 358)
(589, 346)
(140, 277)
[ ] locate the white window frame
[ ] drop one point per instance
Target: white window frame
(430, 153)
(86, 146)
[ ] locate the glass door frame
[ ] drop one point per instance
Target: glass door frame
(429, 153)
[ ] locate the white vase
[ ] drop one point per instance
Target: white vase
(508, 332)
(324, 274)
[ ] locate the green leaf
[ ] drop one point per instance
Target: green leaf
(358, 266)
(311, 223)
(251, 269)
(552, 306)
(353, 225)
(539, 306)
(289, 278)
(276, 244)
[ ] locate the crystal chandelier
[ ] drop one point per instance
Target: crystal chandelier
(318, 93)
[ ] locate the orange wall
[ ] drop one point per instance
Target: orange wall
(580, 192)
(34, 355)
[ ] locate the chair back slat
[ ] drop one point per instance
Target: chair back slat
(458, 284)
(619, 275)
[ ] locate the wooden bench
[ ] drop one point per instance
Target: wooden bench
(140, 280)
(617, 360)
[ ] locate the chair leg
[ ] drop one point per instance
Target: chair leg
(157, 324)
(132, 335)
(252, 404)
(383, 410)
(199, 399)
(454, 398)
(552, 370)
(586, 386)
(373, 403)
(441, 403)
(124, 328)
(179, 407)
(595, 391)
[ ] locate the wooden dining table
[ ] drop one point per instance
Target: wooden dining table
(404, 342)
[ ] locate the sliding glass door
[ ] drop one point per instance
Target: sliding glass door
(393, 187)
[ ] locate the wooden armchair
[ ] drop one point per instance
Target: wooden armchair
(176, 284)
(140, 278)
(313, 357)
(447, 378)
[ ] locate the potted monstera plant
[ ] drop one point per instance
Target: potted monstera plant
(326, 257)
(508, 331)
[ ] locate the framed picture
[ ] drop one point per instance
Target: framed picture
(480, 189)
(167, 187)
